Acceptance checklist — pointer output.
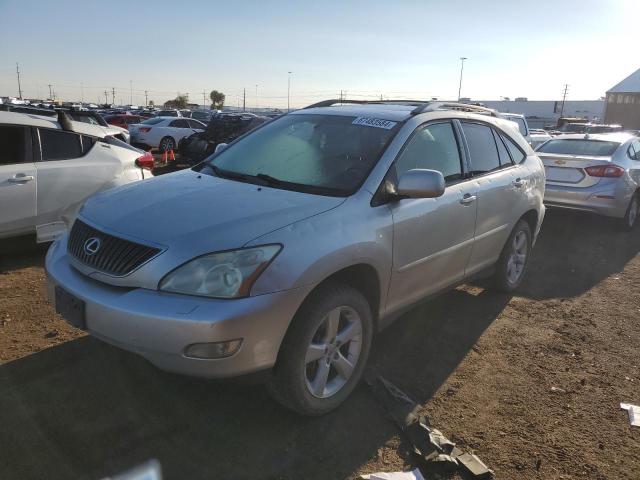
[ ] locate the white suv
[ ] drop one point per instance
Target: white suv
(48, 167)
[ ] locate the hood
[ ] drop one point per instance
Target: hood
(192, 213)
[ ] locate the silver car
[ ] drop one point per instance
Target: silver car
(290, 248)
(597, 173)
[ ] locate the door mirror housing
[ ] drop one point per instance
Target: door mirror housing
(421, 183)
(220, 147)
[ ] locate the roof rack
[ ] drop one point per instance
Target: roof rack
(461, 107)
(422, 106)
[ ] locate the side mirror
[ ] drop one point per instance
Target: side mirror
(421, 183)
(220, 147)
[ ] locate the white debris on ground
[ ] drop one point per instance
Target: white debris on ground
(413, 475)
(634, 413)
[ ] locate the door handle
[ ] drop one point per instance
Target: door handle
(21, 178)
(518, 183)
(467, 199)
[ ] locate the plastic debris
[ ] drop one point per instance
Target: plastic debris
(413, 475)
(474, 465)
(150, 470)
(634, 413)
(428, 443)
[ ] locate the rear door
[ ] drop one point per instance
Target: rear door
(71, 167)
(18, 180)
(433, 237)
(500, 183)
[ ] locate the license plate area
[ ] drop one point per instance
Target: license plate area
(564, 174)
(71, 308)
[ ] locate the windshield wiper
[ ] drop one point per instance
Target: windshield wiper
(273, 181)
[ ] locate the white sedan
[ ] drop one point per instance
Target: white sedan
(163, 133)
(48, 168)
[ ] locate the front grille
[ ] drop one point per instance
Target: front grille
(114, 255)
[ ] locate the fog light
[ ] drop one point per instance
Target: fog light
(213, 350)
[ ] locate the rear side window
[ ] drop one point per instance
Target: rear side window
(59, 145)
(482, 148)
(503, 153)
(634, 150)
(14, 145)
(195, 124)
(433, 147)
(87, 143)
(570, 146)
(179, 124)
(517, 155)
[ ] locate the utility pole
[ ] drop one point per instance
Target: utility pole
(340, 97)
(564, 97)
(256, 97)
(113, 95)
(204, 99)
(50, 93)
(106, 97)
(244, 99)
(130, 92)
(81, 92)
(146, 98)
(289, 92)
(19, 87)
(462, 59)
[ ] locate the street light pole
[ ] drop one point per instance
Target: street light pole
(462, 59)
(256, 97)
(289, 92)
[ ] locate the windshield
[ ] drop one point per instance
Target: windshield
(578, 146)
(326, 154)
(152, 121)
(521, 125)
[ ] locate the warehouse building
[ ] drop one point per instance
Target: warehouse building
(623, 103)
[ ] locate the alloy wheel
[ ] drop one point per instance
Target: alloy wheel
(333, 353)
(633, 212)
(517, 258)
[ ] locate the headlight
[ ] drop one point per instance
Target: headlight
(221, 275)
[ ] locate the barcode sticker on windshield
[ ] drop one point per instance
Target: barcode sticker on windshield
(374, 122)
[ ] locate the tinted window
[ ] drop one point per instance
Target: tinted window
(517, 155)
(59, 145)
(13, 141)
(433, 147)
(634, 150)
(482, 147)
(194, 124)
(87, 143)
(325, 154)
(503, 153)
(179, 124)
(579, 146)
(152, 121)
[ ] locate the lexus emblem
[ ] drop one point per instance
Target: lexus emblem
(92, 245)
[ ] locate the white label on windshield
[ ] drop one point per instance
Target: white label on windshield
(374, 122)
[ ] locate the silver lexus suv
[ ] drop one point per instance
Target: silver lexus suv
(291, 247)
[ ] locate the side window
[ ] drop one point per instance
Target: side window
(59, 145)
(503, 153)
(87, 143)
(517, 154)
(14, 145)
(482, 147)
(179, 124)
(433, 147)
(634, 150)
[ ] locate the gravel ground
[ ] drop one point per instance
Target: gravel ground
(531, 383)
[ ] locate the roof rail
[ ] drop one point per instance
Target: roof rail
(8, 107)
(462, 107)
(328, 103)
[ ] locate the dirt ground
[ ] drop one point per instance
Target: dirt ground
(531, 383)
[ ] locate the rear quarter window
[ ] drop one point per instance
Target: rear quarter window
(59, 145)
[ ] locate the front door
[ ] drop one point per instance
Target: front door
(17, 181)
(433, 237)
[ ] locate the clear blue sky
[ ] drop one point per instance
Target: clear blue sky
(394, 48)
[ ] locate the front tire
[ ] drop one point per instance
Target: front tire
(324, 351)
(512, 264)
(630, 219)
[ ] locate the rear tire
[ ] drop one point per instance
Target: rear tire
(319, 366)
(167, 144)
(512, 264)
(630, 219)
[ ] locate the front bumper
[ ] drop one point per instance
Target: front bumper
(588, 199)
(159, 326)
